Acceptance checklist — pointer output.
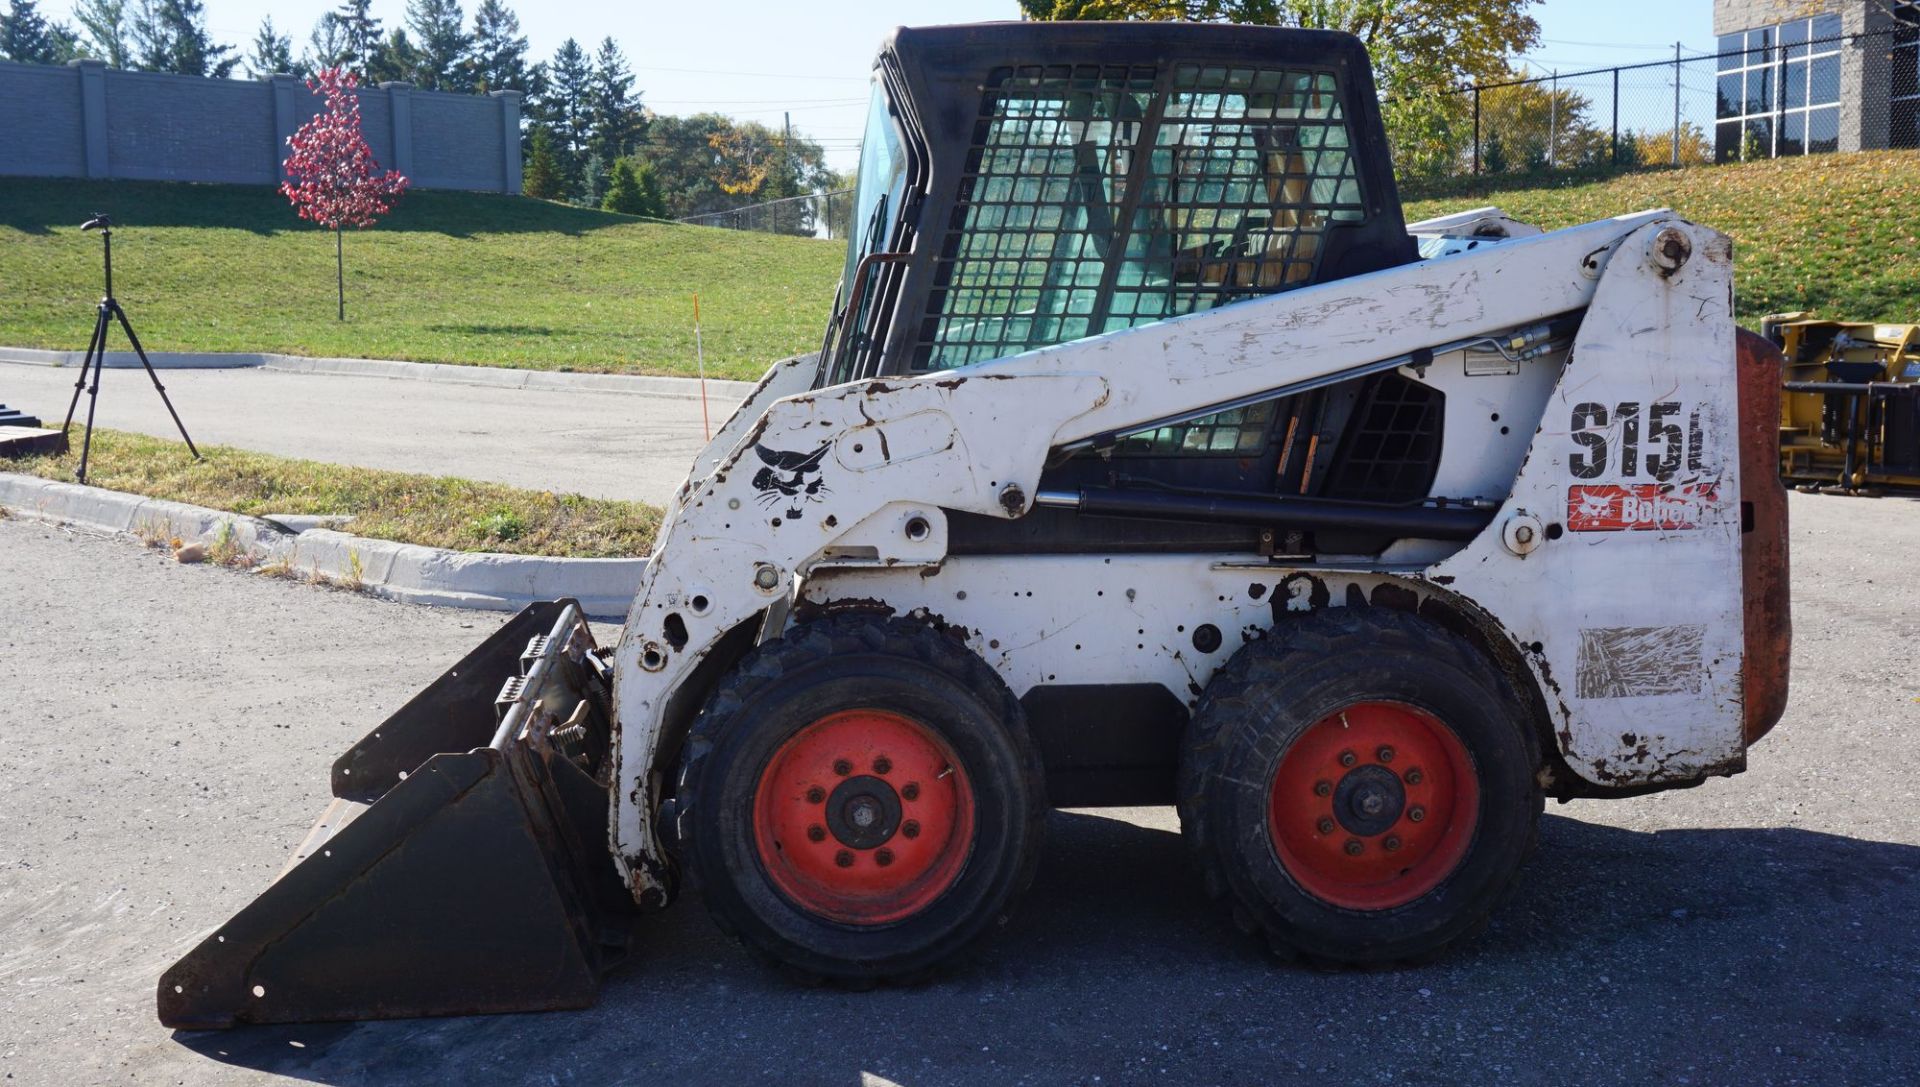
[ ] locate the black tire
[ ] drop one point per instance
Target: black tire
(1268, 697)
(858, 663)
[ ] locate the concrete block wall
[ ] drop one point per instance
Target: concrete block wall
(1734, 15)
(85, 120)
(46, 130)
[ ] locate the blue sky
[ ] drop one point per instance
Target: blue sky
(754, 58)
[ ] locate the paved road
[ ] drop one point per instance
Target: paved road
(607, 445)
(165, 732)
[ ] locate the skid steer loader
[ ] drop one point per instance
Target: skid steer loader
(1150, 458)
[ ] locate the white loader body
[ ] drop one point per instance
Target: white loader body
(1611, 566)
(1150, 458)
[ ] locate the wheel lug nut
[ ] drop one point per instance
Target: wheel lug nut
(1348, 758)
(1385, 754)
(1414, 776)
(1416, 813)
(816, 795)
(1325, 826)
(816, 833)
(1354, 847)
(1323, 788)
(883, 765)
(912, 791)
(911, 828)
(844, 858)
(842, 767)
(1392, 843)
(883, 857)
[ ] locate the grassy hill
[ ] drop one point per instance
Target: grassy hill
(497, 280)
(448, 277)
(1835, 234)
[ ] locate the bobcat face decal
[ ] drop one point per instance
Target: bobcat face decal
(790, 476)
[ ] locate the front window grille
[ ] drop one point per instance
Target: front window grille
(1099, 198)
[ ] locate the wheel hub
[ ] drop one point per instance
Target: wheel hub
(863, 812)
(1373, 805)
(863, 817)
(1369, 800)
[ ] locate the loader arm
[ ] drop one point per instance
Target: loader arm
(860, 473)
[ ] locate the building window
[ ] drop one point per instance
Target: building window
(1903, 99)
(1779, 90)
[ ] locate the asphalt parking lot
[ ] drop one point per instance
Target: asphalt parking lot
(580, 440)
(165, 733)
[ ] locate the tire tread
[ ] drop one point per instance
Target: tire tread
(1348, 633)
(807, 646)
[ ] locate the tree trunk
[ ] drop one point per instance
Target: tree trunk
(340, 272)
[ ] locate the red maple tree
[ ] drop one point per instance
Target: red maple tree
(332, 177)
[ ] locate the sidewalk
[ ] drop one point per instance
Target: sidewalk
(606, 438)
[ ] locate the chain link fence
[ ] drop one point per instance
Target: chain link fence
(814, 215)
(1784, 92)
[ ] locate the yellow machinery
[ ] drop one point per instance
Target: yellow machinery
(1850, 419)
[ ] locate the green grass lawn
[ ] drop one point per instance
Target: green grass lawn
(448, 277)
(434, 510)
(1835, 234)
(506, 281)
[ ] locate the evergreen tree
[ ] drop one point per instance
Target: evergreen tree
(439, 28)
(563, 104)
(171, 36)
(542, 179)
(359, 35)
(569, 100)
(538, 88)
(613, 109)
(499, 49)
(194, 50)
(653, 203)
(326, 45)
(1493, 155)
(66, 44)
(105, 25)
(147, 38)
(25, 36)
(272, 52)
(623, 189)
(591, 181)
(396, 61)
(632, 189)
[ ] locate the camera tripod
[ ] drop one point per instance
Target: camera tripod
(96, 358)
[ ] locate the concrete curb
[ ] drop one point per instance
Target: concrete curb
(405, 572)
(125, 360)
(730, 392)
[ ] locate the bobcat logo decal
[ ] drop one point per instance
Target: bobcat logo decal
(794, 477)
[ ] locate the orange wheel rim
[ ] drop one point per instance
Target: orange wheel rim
(863, 817)
(1374, 806)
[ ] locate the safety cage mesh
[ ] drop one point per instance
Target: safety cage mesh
(1097, 198)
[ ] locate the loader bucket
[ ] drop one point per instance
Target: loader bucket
(463, 867)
